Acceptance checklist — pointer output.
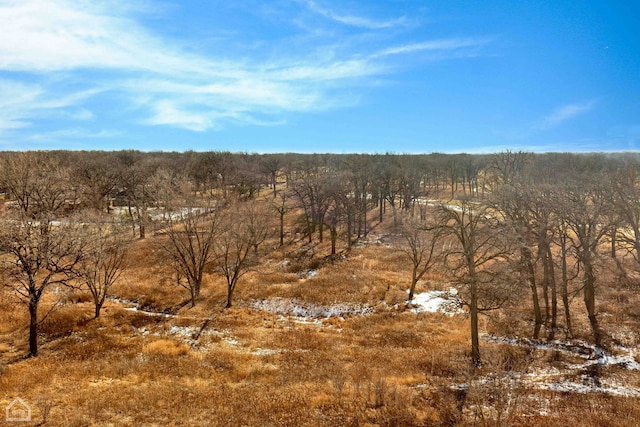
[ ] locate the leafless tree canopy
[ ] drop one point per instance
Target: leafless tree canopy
(548, 224)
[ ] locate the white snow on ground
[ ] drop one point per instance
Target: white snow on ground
(587, 386)
(185, 331)
(136, 307)
(564, 378)
(622, 356)
(307, 274)
(446, 302)
(308, 312)
(265, 351)
(162, 214)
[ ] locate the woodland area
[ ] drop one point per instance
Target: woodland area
(183, 288)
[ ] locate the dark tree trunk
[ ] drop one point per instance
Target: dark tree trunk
(349, 229)
(281, 229)
(33, 326)
(543, 244)
(554, 296)
(473, 312)
(414, 280)
(475, 337)
(530, 278)
(565, 285)
(334, 237)
(273, 182)
(229, 296)
(366, 231)
(614, 232)
(590, 299)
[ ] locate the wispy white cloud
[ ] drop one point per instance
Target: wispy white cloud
(451, 44)
(21, 103)
(54, 35)
(564, 113)
(72, 133)
(354, 20)
(59, 43)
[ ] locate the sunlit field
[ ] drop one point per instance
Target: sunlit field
(320, 339)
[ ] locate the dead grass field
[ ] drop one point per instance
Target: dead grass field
(373, 363)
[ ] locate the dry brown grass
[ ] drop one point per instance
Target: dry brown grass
(251, 367)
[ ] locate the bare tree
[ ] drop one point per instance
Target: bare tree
(270, 165)
(137, 188)
(279, 204)
(518, 206)
(41, 247)
(102, 261)
(626, 200)
(421, 240)
(585, 213)
(36, 185)
(190, 237)
(312, 191)
(41, 256)
(97, 179)
(478, 244)
(245, 228)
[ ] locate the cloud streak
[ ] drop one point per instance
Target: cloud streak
(451, 44)
(73, 51)
(352, 20)
(564, 113)
(21, 103)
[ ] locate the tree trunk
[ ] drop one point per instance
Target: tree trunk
(473, 311)
(349, 229)
(554, 296)
(33, 326)
(590, 299)
(414, 280)
(366, 231)
(565, 285)
(133, 221)
(334, 237)
(281, 229)
(273, 181)
(194, 289)
(546, 280)
(475, 337)
(229, 297)
(530, 277)
(614, 232)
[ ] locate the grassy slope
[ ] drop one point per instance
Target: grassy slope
(253, 367)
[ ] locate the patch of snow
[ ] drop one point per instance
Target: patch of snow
(230, 341)
(135, 307)
(446, 302)
(265, 352)
(307, 274)
(184, 331)
(563, 379)
(624, 356)
(587, 386)
(149, 313)
(309, 312)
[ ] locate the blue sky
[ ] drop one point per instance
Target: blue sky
(397, 76)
